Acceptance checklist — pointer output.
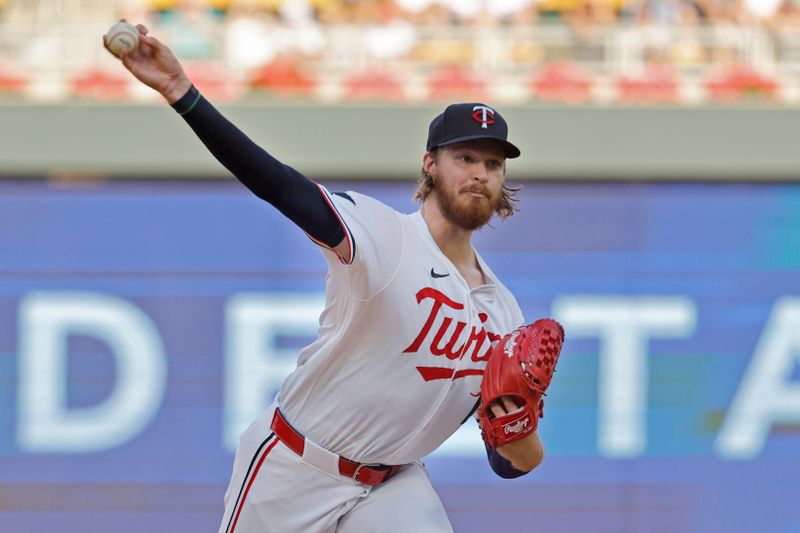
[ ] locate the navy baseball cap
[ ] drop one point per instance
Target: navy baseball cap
(469, 122)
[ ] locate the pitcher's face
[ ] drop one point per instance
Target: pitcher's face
(468, 182)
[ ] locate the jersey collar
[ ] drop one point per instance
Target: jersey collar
(422, 226)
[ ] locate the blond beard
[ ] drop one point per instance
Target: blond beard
(464, 211)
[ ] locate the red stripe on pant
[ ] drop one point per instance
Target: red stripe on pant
(250, 483)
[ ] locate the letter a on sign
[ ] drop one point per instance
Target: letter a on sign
(766, 395)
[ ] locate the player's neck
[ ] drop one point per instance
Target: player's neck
(454, 242)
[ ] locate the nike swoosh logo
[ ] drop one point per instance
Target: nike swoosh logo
(435, 274)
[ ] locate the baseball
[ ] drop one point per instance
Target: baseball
(122, 37)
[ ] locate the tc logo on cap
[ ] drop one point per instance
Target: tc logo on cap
(483, 115)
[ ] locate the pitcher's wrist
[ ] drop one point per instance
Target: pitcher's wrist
(177, 90)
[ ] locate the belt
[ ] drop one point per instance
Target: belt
(366, 473)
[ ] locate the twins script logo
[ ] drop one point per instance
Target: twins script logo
(476, 340)
(518, 427)
(484, 115)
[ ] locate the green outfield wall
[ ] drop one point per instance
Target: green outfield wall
(144, 141)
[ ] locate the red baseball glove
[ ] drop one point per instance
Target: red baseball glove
(521, 366)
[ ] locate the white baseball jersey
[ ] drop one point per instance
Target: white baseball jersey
(402, 343)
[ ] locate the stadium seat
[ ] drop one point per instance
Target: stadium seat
(11, 79)
(282, 77)
(371, 85)
(102, 85)
(562, 82)
(657, 83)
(740, 82)
(213, 80)
(454, 82)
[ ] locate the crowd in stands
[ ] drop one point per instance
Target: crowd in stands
(572, 51)
(505, 12)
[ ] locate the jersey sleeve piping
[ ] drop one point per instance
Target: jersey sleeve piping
(351, 243)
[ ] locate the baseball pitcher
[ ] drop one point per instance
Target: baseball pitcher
(417, 336)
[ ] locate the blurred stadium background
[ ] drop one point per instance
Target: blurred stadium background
(149, 305)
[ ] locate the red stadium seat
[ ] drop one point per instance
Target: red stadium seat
(453, 82)
(740, 82)
(562, 82)
(11, 79)
(102, 85)
(282, 77)
(213, 80)
(657, 84)
(372, 85)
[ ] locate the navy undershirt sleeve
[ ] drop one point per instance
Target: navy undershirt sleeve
(502, 466)
(293, 194)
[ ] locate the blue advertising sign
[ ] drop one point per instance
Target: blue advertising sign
(143, 325)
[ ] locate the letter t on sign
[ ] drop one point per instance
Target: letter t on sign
(624, 324)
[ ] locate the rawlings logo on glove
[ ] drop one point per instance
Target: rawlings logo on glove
(517, 427)
(520, 366)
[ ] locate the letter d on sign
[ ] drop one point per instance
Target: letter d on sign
(46, 320)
